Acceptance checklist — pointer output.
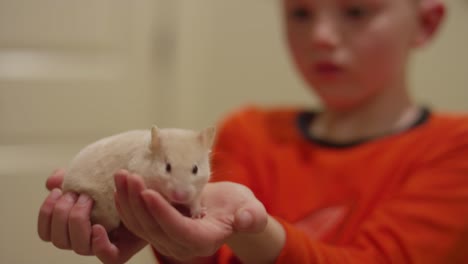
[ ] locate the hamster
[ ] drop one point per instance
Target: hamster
(174, 162)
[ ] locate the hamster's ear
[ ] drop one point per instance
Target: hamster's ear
(155, 140)
(207, 136)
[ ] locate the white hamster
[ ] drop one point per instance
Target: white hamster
(174, 162)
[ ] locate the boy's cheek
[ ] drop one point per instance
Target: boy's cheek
(375, 53)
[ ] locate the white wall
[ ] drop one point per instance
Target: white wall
(440, 71)
(232, 53)
(70, 72)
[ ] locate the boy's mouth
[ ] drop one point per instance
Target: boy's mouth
(327, 68)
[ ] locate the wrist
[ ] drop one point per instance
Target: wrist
(197, 260)
(163, 259)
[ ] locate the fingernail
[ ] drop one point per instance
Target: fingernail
(244, 219)
(55, 193)
(144, 195)
(83, 199)
(119, 180)
(95, 232)
(71, 197)
(57, 171)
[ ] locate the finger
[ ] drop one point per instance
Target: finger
(119, 209)
(59, 233)
(104, 250)
(148, 225)
(45, 214)
(150, 228)
(55, 180)
(127, 242)
(127, 223)
(79, 225)
(171, 221)
(137, 207)
(123, 246)
(122, 200)
(190, 237)
(121, 194)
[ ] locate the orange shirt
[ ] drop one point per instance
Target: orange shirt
(398, 198)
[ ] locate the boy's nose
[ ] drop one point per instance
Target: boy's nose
(324, 33)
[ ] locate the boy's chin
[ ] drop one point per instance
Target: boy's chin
(342, 104)
(347, 101)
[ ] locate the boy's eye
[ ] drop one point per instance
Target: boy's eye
(300, 13)
(168, 167)
(194, 169)
(356, 12)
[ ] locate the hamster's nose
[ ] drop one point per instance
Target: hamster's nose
(179, 196)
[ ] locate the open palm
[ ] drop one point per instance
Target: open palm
(231, 208)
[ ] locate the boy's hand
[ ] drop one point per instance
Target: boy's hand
(230, 207)
(64, 220)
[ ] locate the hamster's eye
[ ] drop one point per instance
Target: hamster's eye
(168, 167)
(194, 169)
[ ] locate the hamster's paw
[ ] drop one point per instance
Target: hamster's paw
(198, 213)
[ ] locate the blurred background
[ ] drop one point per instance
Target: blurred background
(72, 72)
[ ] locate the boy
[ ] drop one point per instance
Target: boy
(372, 178)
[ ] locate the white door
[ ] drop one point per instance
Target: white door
(70, 72)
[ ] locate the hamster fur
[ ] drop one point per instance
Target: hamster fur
(174, 162)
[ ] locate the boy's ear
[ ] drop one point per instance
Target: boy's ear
(431, 15)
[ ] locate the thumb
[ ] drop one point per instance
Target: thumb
(251, 219)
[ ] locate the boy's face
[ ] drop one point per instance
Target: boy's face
(349, 50)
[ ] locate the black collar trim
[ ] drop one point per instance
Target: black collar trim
(306, 117)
